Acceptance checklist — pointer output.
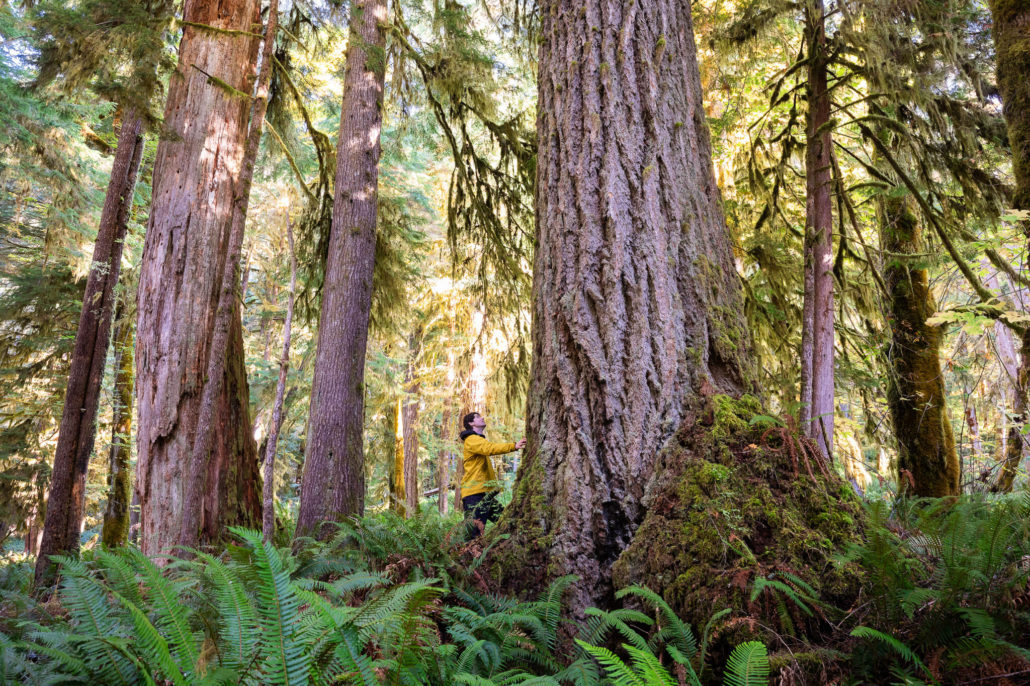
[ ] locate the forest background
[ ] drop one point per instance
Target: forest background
(899, 360)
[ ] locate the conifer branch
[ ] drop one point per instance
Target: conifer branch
(985, 295)
(293, 162)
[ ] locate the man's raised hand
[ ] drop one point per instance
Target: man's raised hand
(519, 445)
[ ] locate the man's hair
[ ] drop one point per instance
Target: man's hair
(466, 421)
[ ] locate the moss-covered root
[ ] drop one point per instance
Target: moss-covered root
(733, 504)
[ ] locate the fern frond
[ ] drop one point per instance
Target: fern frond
(748, 665)
(896, 645)
(616, 670)
(153, 643)
(286, 663)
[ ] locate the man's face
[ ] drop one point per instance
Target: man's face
(478, 423)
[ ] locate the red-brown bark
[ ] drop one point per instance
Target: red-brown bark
(67, 499)
(189, 534)
(184, 256)
(818, 167)
(637, 306)
(334, 469)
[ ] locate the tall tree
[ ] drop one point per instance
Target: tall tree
(184, 257)
(410, 422)
(916, 393)
(637, 305)
(66, 502)
(334, 470)
(119, 495)
(818, 369)
(228, 306)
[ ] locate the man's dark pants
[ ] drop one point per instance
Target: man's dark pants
(484, 508)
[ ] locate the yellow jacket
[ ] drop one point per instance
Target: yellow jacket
(479, 468)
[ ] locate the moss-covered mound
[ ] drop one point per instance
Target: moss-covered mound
(736, 500)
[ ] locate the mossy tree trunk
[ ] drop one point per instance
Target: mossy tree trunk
(119, 496)
(916, 393)
(67, 499)
(184, 256)
(334, 465)
(1011, 32)
(637, 305)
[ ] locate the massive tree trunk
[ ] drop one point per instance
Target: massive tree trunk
(119, 495)
(1012, 44)
(637, 305)
(67, 499)
(184, 256)
(410, 421)
(228, 306)
(819, 222)
(334, 469)
(916, 393)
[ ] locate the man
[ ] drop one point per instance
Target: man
(479, 486)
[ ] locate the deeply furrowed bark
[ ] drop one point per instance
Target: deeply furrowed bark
(637, 305)
(116, 516)
(184, 256)
(268, 508)
(189, 534)
(334, 470)
(818, 167)
(1011, 32)
(67, 499)
(916, 393)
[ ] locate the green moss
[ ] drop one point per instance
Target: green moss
(731, 510)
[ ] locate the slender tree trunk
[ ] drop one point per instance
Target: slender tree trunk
(443, 470)
(184, 261)
(1012, 443)
(973, 422)
(410, 416)
(334, 469)
(818, 170)
(1012, 46)
(189, 534)
(116, 516)
(916, 393)
(398, 497)
(66, 502)
(637, 308)
(280, 390)
(807, 329)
